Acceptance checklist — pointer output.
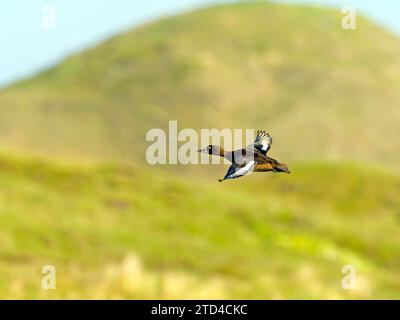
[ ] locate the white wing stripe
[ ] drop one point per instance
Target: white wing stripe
(245, 170)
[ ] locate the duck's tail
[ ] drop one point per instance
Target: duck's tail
(281, 167)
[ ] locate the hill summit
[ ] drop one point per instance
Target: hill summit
(323, 92)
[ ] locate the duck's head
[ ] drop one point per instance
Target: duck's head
(212, 149)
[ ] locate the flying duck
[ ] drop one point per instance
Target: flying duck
(253, 158)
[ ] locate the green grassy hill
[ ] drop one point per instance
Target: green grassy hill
(115, 227)
(116, 231)
(322, 92)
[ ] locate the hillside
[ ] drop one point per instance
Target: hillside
(121, 232)
(324, 93)
(76, 192)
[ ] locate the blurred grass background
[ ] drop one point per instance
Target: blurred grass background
(77, 193)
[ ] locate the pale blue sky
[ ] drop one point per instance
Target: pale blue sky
(26, 47)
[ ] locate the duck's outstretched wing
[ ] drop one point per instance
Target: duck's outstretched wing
(237, 171)
(263, 141)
